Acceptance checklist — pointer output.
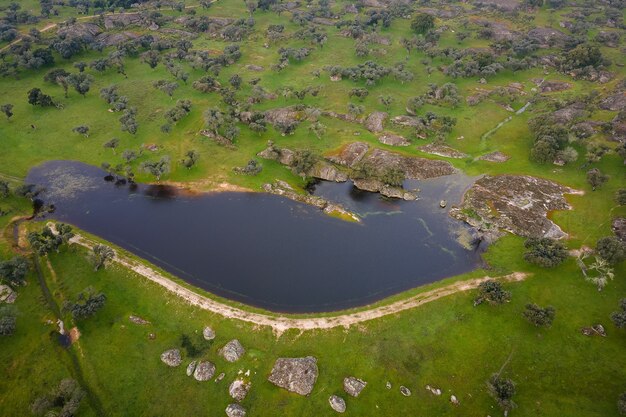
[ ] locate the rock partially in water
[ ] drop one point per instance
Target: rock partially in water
(7, 295)
(376, 186)
(327, 172)
(350, 155)
(353, 386)
(208, 333)
(442, 150)
(204, 371)
(235, 410)
(239, 389)
(295, 374)
(496, 156)
(515, 203)
(191, 368)
(337, 403)
(393, 140)
(171, 357)
(375, 121)
(232, 351)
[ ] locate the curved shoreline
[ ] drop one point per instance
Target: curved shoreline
(280, 324)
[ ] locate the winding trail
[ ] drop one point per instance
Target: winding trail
(280, 324)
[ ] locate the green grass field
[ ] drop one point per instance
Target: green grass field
(447, 344)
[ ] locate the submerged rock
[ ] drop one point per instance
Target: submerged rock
(204, 371)
(232, 351)
(353, 386)
(337, 403)
(171, 357)
(295, 374)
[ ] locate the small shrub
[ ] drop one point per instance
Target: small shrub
(492, 292)
(539, 316)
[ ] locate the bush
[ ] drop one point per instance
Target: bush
(7, 321)
(544, 252)
(14, 271)
(621, 404)
(619, 317)
(87, 304)
(492, 292)
(611, 249)
(503, 390)
(539, 316)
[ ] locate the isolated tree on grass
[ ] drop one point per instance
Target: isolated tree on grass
(151, 58)
(386, 101)
(82, 130)
(7, 109)
(81, 82)
(544, 252)
(539, 316)
(100, 255)
(503, 390)
(422, 23)
(190, 159)
(112, 144)
(619, 317)
(235, 81)
(86, 305)
(602, 273)
(37, 98)
(491, 292)
(611, 249)
(318, 129)
(128, 121)
(157, 168)
(596, 178)
(13, 271)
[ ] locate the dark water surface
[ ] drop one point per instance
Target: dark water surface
(268, 251)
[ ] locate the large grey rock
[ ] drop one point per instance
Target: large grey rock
(327, 172)
(337, 403)
(496, 156)
(204, 371)
(171, 357)
(353, 386)
(442, 150)
(235, 410)
(232, 351)
(616, 102)
(618, 225)
(375, 121)
(208, 333)
(393, 140)
(295, 374)
(239, 389)
(412, 167)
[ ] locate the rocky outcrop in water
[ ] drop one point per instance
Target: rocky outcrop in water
(353, 386)
(337, 403)
(171, 357)
(232, 351)
(295, 374)
(517, 204)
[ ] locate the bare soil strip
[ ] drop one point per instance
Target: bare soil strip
(281, 324)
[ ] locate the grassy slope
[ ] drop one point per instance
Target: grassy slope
(447, 343)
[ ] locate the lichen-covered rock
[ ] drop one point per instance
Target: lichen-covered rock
(393, 140)
(442, 150)
(138, 320)
(328, 172)
(295, 374)
(496, 156)
(235, 410)
(171, 357)
(232, 351)
(619, 228)
(353, 386)
(239, 389)
(350, 155)
(515, 203)
(204, 371)
(337, 403)
(412, 167)
(208, 333)
(408, 121)
(616, 102)
(554, 86)
(375, 121)
(191, 367)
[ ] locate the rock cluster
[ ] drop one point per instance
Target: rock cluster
(295, 374)
(232, 351)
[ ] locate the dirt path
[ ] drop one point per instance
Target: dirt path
(281, 324)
